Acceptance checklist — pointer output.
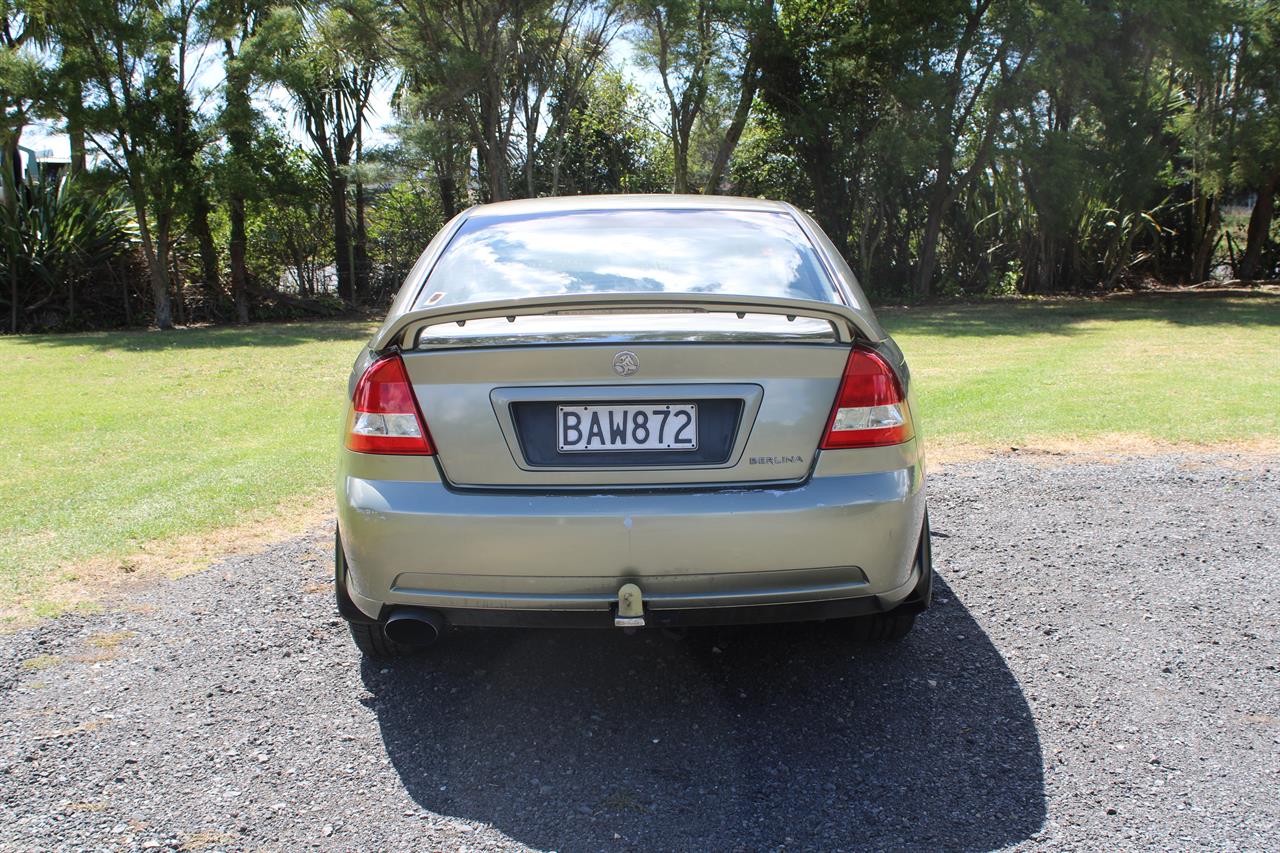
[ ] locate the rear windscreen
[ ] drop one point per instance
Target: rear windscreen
(730, 252)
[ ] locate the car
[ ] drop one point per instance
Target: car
(629, 412)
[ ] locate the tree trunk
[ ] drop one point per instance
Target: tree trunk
(555, 166)
(11, 156)
(929, 240)
(495, 165)
(946, 188)
(680, 167)
(831, 204)
(75, 129)
(204, 239)
(236, 246)
(939, 199)
(9, 198)
(448, 185)
(237, 116)
(493, 155)
(157, 274)
(734, 133)
(1046, 280)
(163, 241)
(530, 147)
(341, 237)
(750, 82)
(1208, 240)
(360, 245)
(1259, 229)
(300, 266)
(179, 294)
(867, 245)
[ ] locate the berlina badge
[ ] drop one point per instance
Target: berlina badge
(625, 363)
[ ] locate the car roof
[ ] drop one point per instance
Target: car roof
(569, 204)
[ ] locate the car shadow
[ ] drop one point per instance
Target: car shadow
(724, 739)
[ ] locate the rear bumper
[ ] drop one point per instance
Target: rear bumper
(842, 608)
(839, 544)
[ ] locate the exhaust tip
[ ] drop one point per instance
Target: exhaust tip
(413, 627)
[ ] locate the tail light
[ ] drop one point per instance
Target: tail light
(870, 408)
(385, 417)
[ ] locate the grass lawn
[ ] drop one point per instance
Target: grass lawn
(114, 440)
(1195, 369)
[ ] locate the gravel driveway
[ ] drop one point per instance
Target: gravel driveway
(1100, 671)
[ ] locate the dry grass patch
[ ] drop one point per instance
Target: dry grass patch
(79, 728)
(1107, 447)
(208, 838)
(111, 640)
(87, 583)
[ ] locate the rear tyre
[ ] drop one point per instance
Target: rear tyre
(885, 627)
(366, 633)
(372, 643)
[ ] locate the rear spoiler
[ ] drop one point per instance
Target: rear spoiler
(401, 331)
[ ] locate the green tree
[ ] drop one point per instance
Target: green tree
(288, 224)
(22, 81)
(464, 61)
(1257, 167)
(607, 143)
(329, 59)
(138, 112)
(964, 77)
(559, 55)
(21, 85)
(232, 23)
(708, 57)
(747, 26)
(829, 71)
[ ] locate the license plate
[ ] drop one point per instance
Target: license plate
(654, 426)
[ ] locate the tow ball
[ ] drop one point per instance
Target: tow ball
(630, 607)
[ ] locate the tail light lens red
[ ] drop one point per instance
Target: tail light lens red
(385, 417)
(870, 408)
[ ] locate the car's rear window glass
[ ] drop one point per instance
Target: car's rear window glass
(737, 253)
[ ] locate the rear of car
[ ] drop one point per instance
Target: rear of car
(629, 411)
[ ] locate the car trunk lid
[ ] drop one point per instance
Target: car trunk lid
(495, 391)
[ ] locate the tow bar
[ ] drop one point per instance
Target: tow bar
(630, 607)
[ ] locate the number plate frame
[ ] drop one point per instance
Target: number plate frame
(619, 418)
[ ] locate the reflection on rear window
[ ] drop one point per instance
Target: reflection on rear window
(739, 253)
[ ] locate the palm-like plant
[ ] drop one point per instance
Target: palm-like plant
(54, 233)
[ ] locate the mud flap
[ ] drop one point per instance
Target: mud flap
(922, 596)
